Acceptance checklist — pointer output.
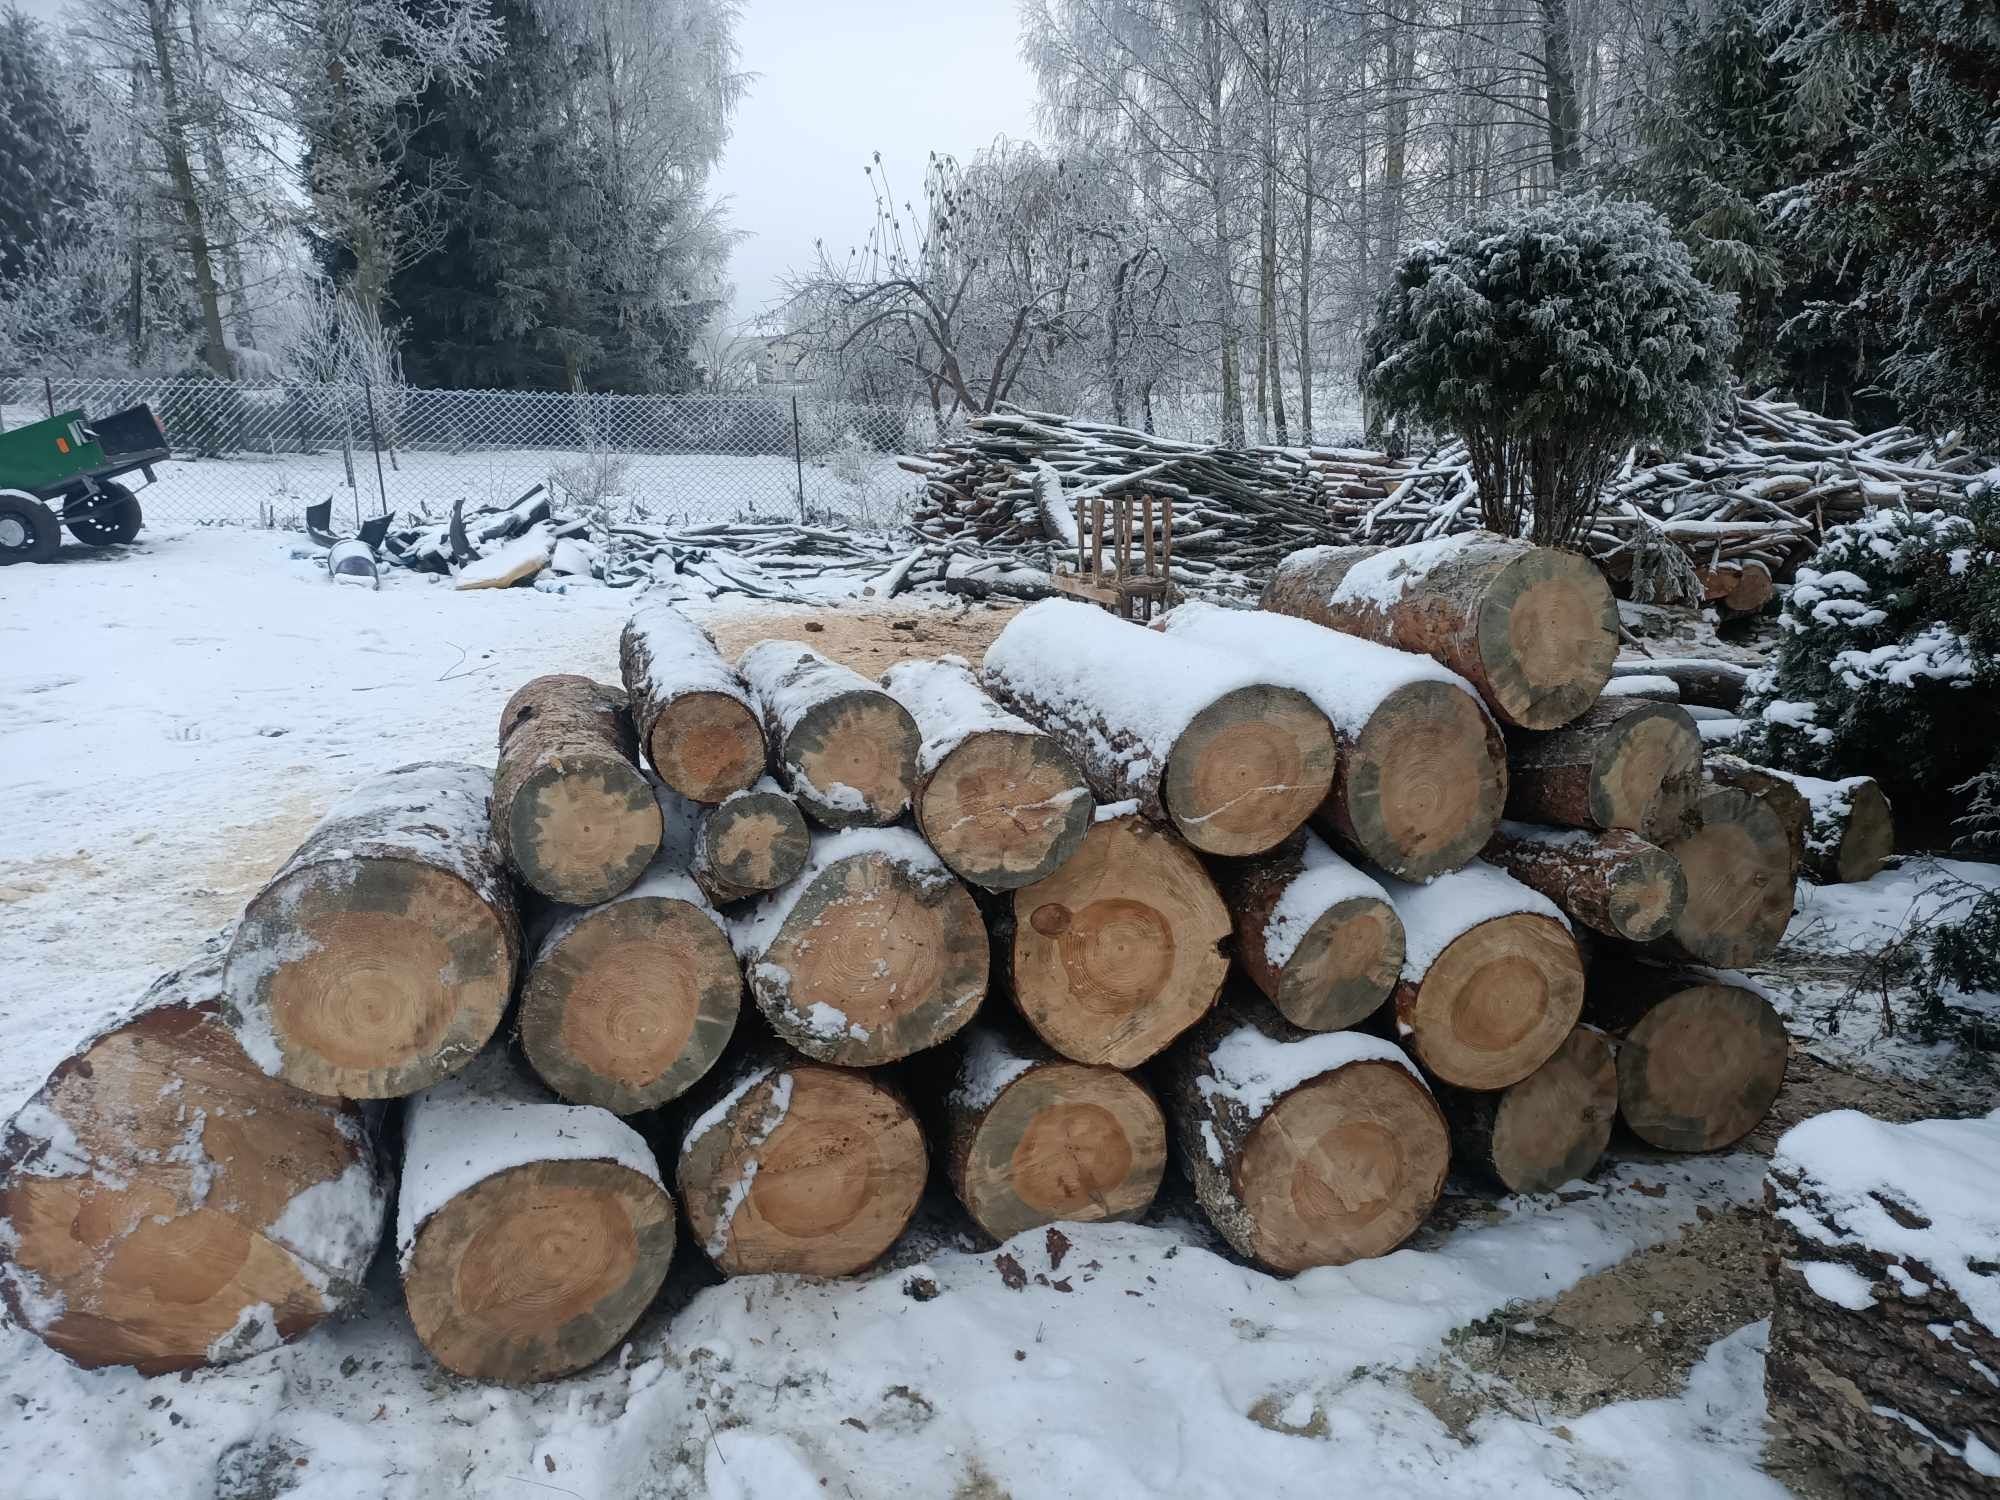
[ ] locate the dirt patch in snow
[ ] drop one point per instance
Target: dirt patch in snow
(870, 641)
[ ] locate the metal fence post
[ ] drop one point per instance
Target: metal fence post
(799, 460)
(375, 442)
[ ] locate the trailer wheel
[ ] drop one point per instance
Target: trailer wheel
(29, 530)
(111, 518)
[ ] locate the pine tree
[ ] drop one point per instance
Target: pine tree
(46, 185)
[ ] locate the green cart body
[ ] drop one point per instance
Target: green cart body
(72, 462)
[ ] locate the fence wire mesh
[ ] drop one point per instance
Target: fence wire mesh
(258, 455)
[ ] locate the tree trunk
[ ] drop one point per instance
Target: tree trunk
(1031, 1138)
(1119, 951)
(795, 1168)
(1546, 1130)
(1839, 831)
(749, 843)
(1533, 630)
(693, 713)
(872, 953)
(180, 173)
(1706, 684)
(1614, 883)
(1339, 1166)
(1738, 864)
(381, 955)
(572, 811)
(844, 748)
(1395, 142)
(531, 1234)
(1222, 271)
(166, 1204)
(1559, 85)
(1627, 763)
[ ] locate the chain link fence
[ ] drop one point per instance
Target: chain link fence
(258, 455)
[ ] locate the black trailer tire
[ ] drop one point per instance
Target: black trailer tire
(114, 518)
(29, 530)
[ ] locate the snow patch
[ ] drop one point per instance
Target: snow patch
(949, 705)
(1254, 1071)
(1324, 880)
(1841, 1285)
(986, 1066)
(1437, 914)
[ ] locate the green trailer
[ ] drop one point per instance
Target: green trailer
(65, 472)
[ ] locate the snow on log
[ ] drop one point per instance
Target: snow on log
(381, 955)
(1738, 864)
(1492, 981)
(1840, 831)
(843, 747)
(694, 716)
(572, 811)
(1196, 737)
(792, 1167)
(1001, 802)
(1614, 883)
(1119, 951)
(1032, 1138)
(1885, 1331)
(1626, 763)
(1546, 1130)
(530, 1234)
(1699, 681)
(1305, 1148)
(166, 1204)
(872, 952)
(1315, 934)
(750, 842)
(1422, 769)
(1533, 629)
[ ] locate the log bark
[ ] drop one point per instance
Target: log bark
(1534, 630)
(572, 811)
(1315, 934)
(1194, 737)
(1614, 883)
(381, 955)
(792, 1167)
(1707, 684)
(692, 711)
(1001, 802)
(873, 952)
(749, 843)
(166, 1204)
(1839, 831)
(531, 1234)
(1032, 1138)
(843, 747)
(1121, 950)
(1546, 1130)
(1421, 774)
(1624, 764)
(1738, 865)
(1305, 1149)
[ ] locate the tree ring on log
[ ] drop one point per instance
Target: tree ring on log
(854, 747)
(1064, 1142)
(1004, 809)
(1646, 771)
(582, 832)
(1548, 635)
(1496, 1003)
(1425, 781)
(752, 843)
(1552, 1126)
(1249, 770)
(1701, 1068)
(1648, 891)
(1344, 967)
(1737, 861)
(706, 745)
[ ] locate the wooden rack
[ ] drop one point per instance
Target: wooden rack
(1140, 578)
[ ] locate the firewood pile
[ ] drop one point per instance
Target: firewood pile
(724, 952)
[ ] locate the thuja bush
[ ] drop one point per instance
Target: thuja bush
(1551, 339)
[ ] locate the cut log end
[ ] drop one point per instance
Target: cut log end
(1249, 770)
(752, 843)
(706, 746)
(1701, 1067)
(1548, 635)
(1344, 968)
(1496, 1003)
(1552, 1126)
(853, 760)
(1004, 810)
(1865, 840)
(1738, 864)
(1424, 783)
(1647, 893)
(581, 832)
(1646, 771)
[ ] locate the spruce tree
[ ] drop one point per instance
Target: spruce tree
(46, 184)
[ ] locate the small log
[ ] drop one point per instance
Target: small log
(791, 1167)
(1031, 1138)
(749, 843)
(1492, 981)
(693, 713)
(1534, 630)
(166, 1204)
(1751, 589)
(1626, 763)
(531, 1234)
(1196, 738)
(1305, 1148)
(1778, 793)
(1422, 770)
(1840, 831)
(1738, 865)
(843, 747)
(1315, 934)
(1707, 684)
(572, 811)
(381, 955)
(872, 952)
(1001, 802)
(1614, 883)
(1119, 951)
(1546, 1130)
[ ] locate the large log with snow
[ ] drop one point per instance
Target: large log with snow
(1195, 737)
(1533, 629)
(1305, 1148)
(1422, 770)
(1492, 981)
(787, 1166)
(572, 811)
(1738, 864)
(751, 842)
(1546, 1130)
(1626, 763)
(381, 955)
(872, 952)
(166, 1204)
(1614, 883)
(1700, 681)
(1884, 1359)
(1840, 831)
(1315, 934)
(1700, 1062)
(530, 1234)
(842, 746)
(1032, 1138)
(693, 713)
(1119, 951)
(1002, 803)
